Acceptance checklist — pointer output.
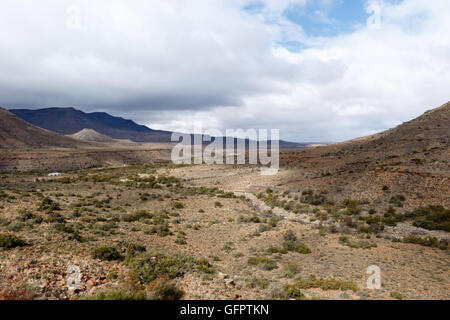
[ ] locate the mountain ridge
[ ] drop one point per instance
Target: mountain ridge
(16, 133)
(69, 121)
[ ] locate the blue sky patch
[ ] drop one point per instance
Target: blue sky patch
(323, 19)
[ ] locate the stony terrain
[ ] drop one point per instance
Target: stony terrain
(194, 211)
(159, 231)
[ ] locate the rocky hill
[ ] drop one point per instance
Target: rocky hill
(70, 121)
(411, 159)
(16, 133)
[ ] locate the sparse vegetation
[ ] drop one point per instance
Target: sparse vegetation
(265, 263)
(9, 241)
(106, 253)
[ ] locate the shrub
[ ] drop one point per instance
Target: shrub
(255, 282)
(161, 229)
(290, 269)
(15, 226)
(148, 267)
(325, 284)
(48, 205)
(349, 222)
(293, 292)
(137, 216)
(290, 245)
(397, 200)
(16, 294)
(358, 245)
(431, 218)
(264, 263)
(117, 294)
(301, 248)
(163, 288)
(133, 249)
(106, 253)
(9, 241)
(427, 241)
(289, 236)
(177, 205)
(181, 238)
(396, 295)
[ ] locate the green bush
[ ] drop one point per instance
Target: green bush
(427, 241)
(264, 263)
(161, 229)
(396, 295)
(137, 216)
(397, 200)
(357, 245)
(290, 245)
(133, 249)
(148, 267)
(48, 205)
(117, 294)
(293, 292)
(106, 253)
(325, 284)
(9, 241)
(301, 248)
(431, 218)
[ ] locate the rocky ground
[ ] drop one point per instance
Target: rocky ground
(218, 232)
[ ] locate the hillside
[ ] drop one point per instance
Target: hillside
(16, 133)
(91, 135)
(70, 121)
(411, 159)
(429, 131)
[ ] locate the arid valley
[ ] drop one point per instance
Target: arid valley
(139, 227)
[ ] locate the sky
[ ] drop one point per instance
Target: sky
(318, 70)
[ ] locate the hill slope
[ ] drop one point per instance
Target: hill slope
(16, 133)
(91, 135)
(69, 121)
(429, 131)
(411, 159)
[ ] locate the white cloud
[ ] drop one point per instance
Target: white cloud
(174, 63)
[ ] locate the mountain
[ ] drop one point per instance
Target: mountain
(90, 135)
(411, 160)
(70, 121)
(96, 137)
(429, 131)
(16, 133)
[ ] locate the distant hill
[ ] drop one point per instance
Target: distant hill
(94, 136)
(70, 121)
(16, 133)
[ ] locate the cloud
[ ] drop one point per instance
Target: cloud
(170, 64)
